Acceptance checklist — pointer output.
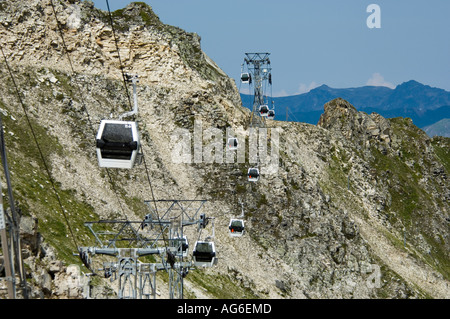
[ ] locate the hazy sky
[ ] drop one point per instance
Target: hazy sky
(315, 42)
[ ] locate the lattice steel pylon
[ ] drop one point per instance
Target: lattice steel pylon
(258, 65)
(175, 215)
(259, 74)
(147, 280)
(160, 234)
(127, 267)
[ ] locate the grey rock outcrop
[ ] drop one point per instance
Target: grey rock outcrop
(340, 116)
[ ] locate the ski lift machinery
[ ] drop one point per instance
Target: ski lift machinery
(118, 141)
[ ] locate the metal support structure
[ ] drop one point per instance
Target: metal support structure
(122, 231)
(147, 281)
(259, 66)
(144, 238)
(186, 210)
(127, 274)
(176, 276)
(134, 80)
(6, 252)
(14, 247)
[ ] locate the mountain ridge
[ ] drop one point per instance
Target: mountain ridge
(409, 99)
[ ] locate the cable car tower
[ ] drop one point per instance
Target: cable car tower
(160, 234)
(259, 74)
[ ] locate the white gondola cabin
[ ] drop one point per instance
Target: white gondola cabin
(253, 174)
(245, 78)
(204, 254)
(232, 143)
(271, 114)
(236, 227)
(117, 144)
(263, 110)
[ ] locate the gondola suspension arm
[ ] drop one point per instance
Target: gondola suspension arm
(134, 80)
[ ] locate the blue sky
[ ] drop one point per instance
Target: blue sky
(315, 42)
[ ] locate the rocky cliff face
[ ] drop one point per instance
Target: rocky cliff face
(358, 205)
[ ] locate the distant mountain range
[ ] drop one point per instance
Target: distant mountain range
(425, 105)
(441, 128)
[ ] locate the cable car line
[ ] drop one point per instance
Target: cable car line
(61, 33)
(143, 157)
(262, 74)
(91, 125)
(204, 252)
(129, 100)
(82, 255)
(46, 168)
(141, 147)
(118, 52)
(262, 78)
(84, 105)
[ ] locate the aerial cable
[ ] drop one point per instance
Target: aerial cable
(153, 196)
(83, 103)
(40, 150)
(126, 89)
(15, 223)
(143, 157)
(61, 33)
(129, 100)
(271, 92)
(240, 80)
(293, 115)
(118, 52)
